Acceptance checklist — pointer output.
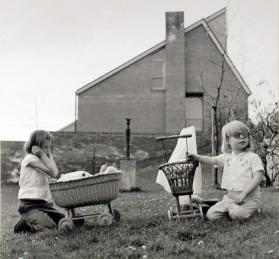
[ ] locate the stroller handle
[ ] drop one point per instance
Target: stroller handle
(173, 137)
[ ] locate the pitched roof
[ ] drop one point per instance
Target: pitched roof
(71, 125)
(162, 44)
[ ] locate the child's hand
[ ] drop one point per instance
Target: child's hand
(37, 151)
(240, 199)
(192, 157)
(48, 152)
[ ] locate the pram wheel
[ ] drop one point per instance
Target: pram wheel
(116, 214)
(170, 213)
(105, 219)
(77, 218)
(65, 225)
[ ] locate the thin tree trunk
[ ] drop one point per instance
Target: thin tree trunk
(213, 143)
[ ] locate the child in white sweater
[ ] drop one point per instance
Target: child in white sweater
(242, 173)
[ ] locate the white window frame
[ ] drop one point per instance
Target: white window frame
(160, 62)
(200, 97)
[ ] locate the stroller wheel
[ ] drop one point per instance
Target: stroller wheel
(65, 225)
(105, 219)
(170, 213)
(116, 214)
(78, 219)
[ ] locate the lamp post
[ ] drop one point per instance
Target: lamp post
(128, 165)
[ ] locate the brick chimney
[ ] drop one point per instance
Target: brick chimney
(175, 72)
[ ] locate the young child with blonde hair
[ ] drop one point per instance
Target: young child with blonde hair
(35, 203)
(242, 173)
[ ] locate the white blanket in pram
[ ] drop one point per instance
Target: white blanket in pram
(74, 176)
(178, 154)
(105, 169)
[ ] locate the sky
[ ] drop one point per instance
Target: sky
(51, 48)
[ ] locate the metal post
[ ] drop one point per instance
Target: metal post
(128, 137)
(212, 131)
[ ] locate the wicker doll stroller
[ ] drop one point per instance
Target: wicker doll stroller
(95, 190)
(180, 176)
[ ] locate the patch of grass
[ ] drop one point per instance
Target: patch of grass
(145, 230)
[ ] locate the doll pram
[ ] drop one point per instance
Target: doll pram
(180, 176)
(95, 190)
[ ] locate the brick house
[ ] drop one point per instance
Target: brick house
(169, 86)
(162, 90)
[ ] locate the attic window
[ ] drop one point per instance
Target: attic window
(157, 74)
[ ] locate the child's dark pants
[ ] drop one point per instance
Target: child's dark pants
(37, 215)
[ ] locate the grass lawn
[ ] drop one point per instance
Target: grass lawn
(145, 231)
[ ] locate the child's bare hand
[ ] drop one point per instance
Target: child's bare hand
(192, 157)
(240, 199)
(37, 151)
(48, 152)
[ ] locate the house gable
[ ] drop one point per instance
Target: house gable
(214, 30)
(68, 128)
(218, 25)
(125, 94)
(151, 88)
(203, 62)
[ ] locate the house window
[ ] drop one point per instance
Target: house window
(157, 74)
(194, 110)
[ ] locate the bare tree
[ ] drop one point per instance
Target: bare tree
(265, 132)
(224, 104)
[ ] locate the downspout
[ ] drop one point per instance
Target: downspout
(76, 96)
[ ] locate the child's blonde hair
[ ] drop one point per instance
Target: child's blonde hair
(37, 138)
(234, 127)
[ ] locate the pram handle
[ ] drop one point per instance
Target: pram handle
(173, 137)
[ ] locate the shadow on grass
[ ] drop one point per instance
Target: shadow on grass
(133, 189)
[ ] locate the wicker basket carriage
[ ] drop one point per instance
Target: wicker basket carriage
(94, 190)
(100, 189)
(180, 176)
